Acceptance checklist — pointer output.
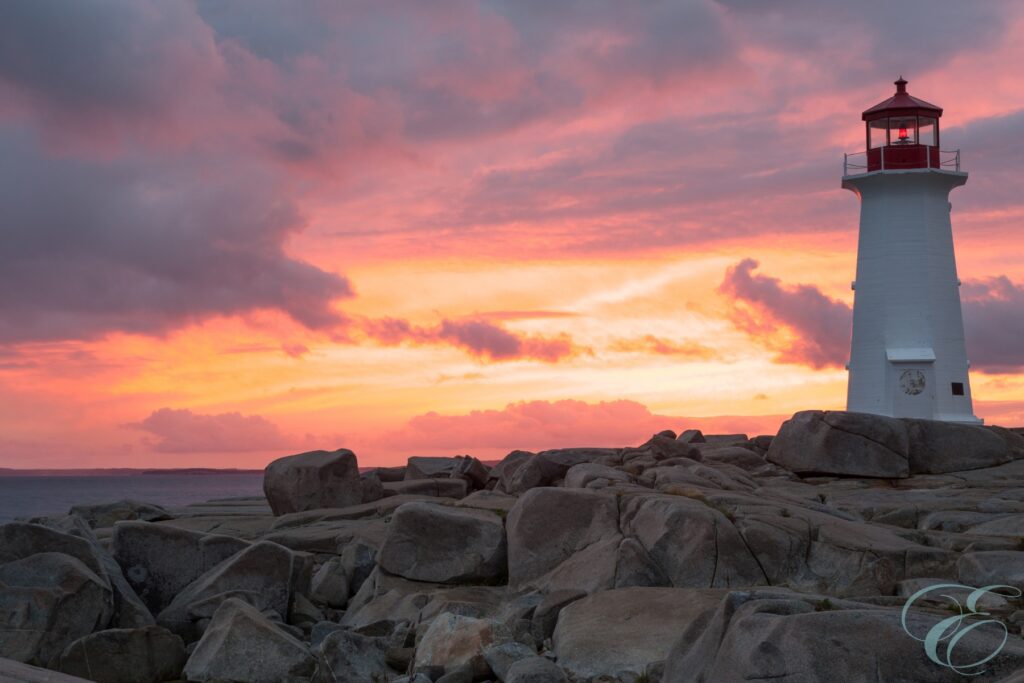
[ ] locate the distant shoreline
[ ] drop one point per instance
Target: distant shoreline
(117, 472)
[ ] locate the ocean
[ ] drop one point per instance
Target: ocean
(25, 496)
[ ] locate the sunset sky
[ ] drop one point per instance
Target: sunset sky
(234, 230)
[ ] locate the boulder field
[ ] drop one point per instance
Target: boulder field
(691, 557)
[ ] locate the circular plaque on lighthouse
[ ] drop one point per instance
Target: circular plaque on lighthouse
(912, 382)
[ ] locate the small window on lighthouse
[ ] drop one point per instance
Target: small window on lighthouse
(926, 131)
(876, 132)
(903, 130)
(958, 388)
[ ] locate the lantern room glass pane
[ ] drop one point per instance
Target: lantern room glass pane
(926, 131)
(902, 130)
(876, 133)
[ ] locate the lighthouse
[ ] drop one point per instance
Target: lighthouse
(908, 357)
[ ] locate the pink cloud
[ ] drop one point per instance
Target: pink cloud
(816, 328)
(665, 347)
(764, 306)
(479, 338)
(183, 431)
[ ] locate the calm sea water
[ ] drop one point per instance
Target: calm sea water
(35, 496)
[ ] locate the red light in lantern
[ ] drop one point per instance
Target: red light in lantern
(903, 134)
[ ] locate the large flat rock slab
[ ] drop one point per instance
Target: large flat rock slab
(863, 445)
(837, 442)
(626, 630)
(778, 635)
(16, 672)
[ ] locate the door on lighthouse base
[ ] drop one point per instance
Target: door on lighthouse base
(912, 386)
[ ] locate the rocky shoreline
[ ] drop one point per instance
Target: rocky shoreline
(688, 558)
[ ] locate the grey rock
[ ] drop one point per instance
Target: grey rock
(261, 575)
(494, 501)
(687, 472)
(330, 584)
(430, 467)
(143, 655)
(441, 544)
(550, 525)
(693, 544)
(460, 674)
(240, 644)
(159, 561)
(585, 474)
(956, 521)
(737, 456)
(1014, 439)
(386, 474)
(909, 587)
(106, 514)
(372, 488)
(937, 447)
(816, 551)
(347, 656)
(1008, 525)
(775, 634)
(546, 615)
(358, 559)
(317, 479)
(549, 467)
(502, 656)
(16, 672)
(843, 443)
(452, 641)
(691, 436)
(246, 527)
(474, 472)
(19, 540)
(993, 567)
(379, 508)
(386, 599)
(500, 476)
(665, 445)
(727, 439)
(535, 670)
(48, 601)
(129, 610)
(622, 632)
(635, 566)
(303, 613)
(441, 488)
(321, 630)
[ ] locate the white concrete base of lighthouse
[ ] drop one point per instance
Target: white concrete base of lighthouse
(908, 356)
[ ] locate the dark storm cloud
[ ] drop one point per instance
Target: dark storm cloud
(138, 246)
(80, 62)
(861, 42)
(994, 320)
(819, 326)
(989, 154)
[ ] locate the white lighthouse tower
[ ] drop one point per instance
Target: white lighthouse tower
(908, 357)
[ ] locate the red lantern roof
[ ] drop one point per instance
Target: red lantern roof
(901, 104)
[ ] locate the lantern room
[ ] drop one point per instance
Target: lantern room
(902, 132)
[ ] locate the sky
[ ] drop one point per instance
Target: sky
(238, 229)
